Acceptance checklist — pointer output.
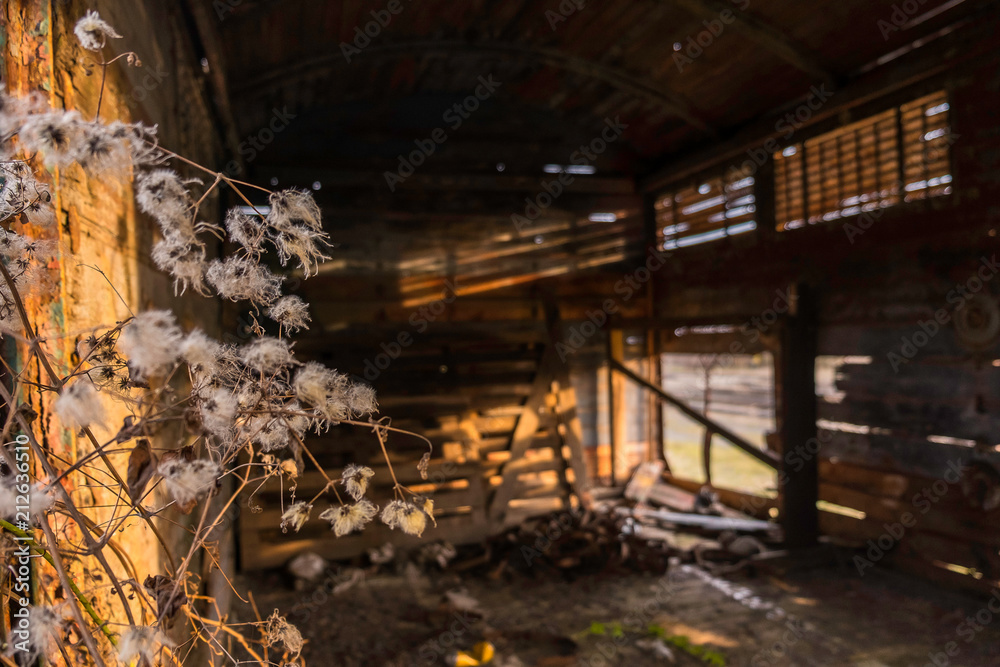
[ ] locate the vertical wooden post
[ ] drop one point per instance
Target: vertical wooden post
(655, 452)
(800, 488)
(616, 398)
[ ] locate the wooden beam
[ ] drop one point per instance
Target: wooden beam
(211, 45)
(524, 434)
(639, 86)
(616, 398)
(451, 182)
(936, 58)
(799, 478)
(762, 33)
(763, 456)
(566, 412)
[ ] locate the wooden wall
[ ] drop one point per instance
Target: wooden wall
(909, 400)
(98, 223)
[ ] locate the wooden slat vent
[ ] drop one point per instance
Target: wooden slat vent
(899, 155)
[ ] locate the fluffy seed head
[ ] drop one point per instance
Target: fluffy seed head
(93, 32)
(407, 517)
(348, 518)
(162, 194)
(78, 405)
(142, 643)
(189, 480)
(296, 515)
(218, 411)
(184, 261)
(361, 399)
(294, 208)
(246, 230)
(279, 631)
(57, 135)
(241, 279)
(151, 342)
(291, 312)
(355, 479)
(203, 354)
(267, 355)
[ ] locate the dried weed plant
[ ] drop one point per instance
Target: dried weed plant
(246, 408)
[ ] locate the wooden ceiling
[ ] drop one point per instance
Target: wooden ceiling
(560, 79)
(563, 70)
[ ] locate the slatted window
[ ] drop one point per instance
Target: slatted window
(899, 155)
(927, 138)
(715, 209)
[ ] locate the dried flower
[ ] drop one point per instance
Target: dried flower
(280, 631)
(355, 479)
(302, 244)
(78, 405)
(218, 412)
(56, 134)
(296, 422)
(269, 433)
(297, 229)
(428, 508)
(241, 279)
(414, 521)
(93, 32)
(323, 388)
(246, 230)
(393, 513)
(291, 312)
(267, 355)
(151, 342)
(296, 515)
(201, 353)
(361, 399)
(142, 642)
(291, 208)
(162, 194)
(189, 480)
(408, 518)
(39, 499)
(102, 151)
(184, 261)
(46, 630)
(348, 518)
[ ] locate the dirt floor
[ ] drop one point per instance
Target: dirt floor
(821, 616)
